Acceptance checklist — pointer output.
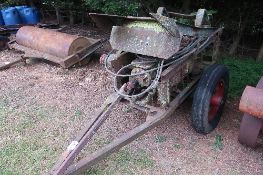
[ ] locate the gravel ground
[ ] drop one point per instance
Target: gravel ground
(43, 106)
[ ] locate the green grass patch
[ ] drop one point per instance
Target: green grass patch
(177, 145)
(142, 159)
(242, 72)
(123, 162)
(3, 111)
(24, 157)
(218, 143)
(160, 139)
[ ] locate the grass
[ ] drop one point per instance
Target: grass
(160, 139)
(123, 162)
(28, 152)
(24, 157)
(242, 72)
(218, 143)
(177, 145)
(22, 150)
(3, 111)
(78, 114)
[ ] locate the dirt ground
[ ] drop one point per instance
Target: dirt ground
(42, 108)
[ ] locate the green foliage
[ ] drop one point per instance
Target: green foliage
(160, 139)
(6, 3)
(218, 144)
(242, 73)
(59, 3)
(23, 157)
(177, 145)
(118, 7)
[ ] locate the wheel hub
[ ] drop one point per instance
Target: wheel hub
(216, 100)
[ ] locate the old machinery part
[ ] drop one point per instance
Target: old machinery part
(147, 38)
(50, 42)
(143, 80)
(252, 102)
(146, 70)
(252, 121)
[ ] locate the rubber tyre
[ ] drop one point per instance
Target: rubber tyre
(203, 94)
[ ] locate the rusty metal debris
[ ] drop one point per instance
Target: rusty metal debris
(156, 64)
(251, 104)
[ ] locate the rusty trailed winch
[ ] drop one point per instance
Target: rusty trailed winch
(251, 104)
(156, 63)
(61, 48)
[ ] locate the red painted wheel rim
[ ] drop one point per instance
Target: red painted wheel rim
(216, 100)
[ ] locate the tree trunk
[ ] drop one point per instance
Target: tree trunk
(83, 17)
(260, 53)
(235, 43)
(58, 15)
(71, 17)
(186, 6)
(237, 38)
(30, 3)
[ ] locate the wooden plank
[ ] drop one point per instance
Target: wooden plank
(133, 134)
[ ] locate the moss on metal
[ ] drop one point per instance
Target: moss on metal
(152, 25)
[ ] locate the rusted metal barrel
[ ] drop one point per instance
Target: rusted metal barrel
(50, 42)
(252, 102)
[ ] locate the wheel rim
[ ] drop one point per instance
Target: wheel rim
(216, 100)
